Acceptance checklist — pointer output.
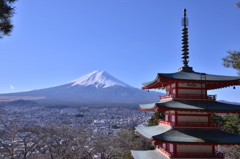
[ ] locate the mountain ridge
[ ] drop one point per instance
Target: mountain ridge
(96, 87)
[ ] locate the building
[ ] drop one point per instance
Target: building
(187, 131)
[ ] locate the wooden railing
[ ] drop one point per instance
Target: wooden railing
(189, 96)
(167, 96)
(160, 121)
(164, 151)
(191, 154)
(188, 124)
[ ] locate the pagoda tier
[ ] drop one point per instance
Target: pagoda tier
(191, 79)
(191, 105)
(160, 153)
(191, 136)
(150, 154)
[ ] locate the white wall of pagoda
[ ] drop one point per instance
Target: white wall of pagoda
(180, 89)
(192, 119)
(175, 116)
(191, 91)
(195, 148)
(189, 85)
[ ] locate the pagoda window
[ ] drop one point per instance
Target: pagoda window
(168, 87)
(166, 117)
(171, 148)
(174, 91)
(173, 118)
(164, 145)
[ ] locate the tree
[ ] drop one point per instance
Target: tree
(127, 140)
(154, 119)
(238, 4)
(232, 60)
(64, 142)
(6, 13)
(229, 123)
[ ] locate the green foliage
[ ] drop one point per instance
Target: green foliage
(127, 140)
(154, 119)
(238, 4)
(229, 122)
(6, 13)
(232, 60)
(128, 156)
(115, 127)
(216, 118)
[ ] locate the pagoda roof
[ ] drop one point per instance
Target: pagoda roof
(190, 77)
(149, 154)
(187, 135)
(191, 105)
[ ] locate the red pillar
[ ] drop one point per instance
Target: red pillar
(174, 150)
(213, 149)
(176, 118)
(176, 90)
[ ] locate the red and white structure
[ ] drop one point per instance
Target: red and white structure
(187, 131)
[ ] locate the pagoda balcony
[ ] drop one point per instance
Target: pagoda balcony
(162, 150)
(163, 122)
(189, 96)
(190, 155)
(197, 155)
(188, 124)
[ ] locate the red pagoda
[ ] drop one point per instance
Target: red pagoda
(187, 131)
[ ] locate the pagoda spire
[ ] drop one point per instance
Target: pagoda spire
(185, 49)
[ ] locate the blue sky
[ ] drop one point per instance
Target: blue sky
(57, 41)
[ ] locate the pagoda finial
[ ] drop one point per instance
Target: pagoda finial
(185, 49)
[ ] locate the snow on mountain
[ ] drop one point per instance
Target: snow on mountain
(99, 79)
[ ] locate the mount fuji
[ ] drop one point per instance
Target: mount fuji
(96, 88)
(99, 79)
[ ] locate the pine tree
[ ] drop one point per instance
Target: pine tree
(232, 60)
(154, 119)
(6, 13)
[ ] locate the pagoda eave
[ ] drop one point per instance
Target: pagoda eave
(212, 81)
(191, 105)
(166, 134)
(210, 85)
(149, 154)
(158, 109)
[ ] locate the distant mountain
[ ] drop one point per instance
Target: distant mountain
(228, 102)
(96, 88)
(20, 102)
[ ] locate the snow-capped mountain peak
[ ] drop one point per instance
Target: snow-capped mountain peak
(99, 79)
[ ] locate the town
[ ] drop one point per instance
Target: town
(33, 120)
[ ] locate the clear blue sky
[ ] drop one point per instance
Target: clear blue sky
(57, 41)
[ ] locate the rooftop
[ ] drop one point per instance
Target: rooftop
(191, 136)
(191, 105)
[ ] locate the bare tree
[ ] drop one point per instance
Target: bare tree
(105, 147)
(231, 152)
(8, 139)
(64, 142)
